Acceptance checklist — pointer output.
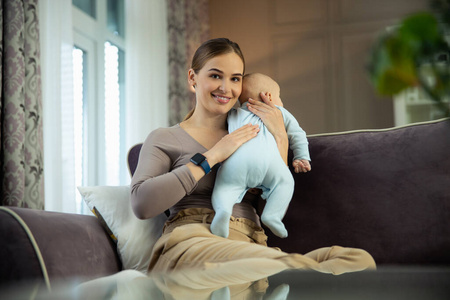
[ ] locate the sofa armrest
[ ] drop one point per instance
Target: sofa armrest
(49, 246)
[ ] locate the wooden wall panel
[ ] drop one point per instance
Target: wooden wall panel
(309, 12)
(300, 69)
(355, 11)
(359, 103)
(317, 51)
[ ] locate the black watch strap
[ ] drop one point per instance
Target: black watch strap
(200, 160)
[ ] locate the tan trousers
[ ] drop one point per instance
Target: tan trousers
(187, 243)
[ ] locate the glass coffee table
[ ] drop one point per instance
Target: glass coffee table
(386, 283)
(411, 283)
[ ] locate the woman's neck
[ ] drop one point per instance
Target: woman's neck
(216, 122)
(206, 131)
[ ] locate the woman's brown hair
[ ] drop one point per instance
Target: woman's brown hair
(210, 49)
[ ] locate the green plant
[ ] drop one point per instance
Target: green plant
(414, 53)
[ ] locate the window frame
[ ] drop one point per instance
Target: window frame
(90, 35)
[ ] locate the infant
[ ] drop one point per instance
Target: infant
(258, 163)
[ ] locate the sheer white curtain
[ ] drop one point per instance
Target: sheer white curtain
(146, 62)
(55, 18)
(146, 102)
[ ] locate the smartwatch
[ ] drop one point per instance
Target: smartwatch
(200, 160)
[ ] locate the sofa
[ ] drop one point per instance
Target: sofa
(386, 191)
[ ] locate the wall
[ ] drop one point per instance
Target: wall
(317, 51)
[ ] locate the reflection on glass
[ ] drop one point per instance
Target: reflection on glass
(115, 17)
(131, 284)
(87, 6)
(412, 283)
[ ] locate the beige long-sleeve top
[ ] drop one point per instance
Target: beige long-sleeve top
(163, 181)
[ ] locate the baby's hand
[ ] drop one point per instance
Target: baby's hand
(301, 165)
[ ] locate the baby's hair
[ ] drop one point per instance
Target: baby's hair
(254, 94)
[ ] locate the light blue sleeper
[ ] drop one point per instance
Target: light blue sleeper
(257, 164)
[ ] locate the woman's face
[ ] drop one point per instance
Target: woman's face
(218, 84)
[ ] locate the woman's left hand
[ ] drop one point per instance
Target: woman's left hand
(272, 119)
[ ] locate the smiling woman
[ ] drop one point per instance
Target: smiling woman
(177, 169)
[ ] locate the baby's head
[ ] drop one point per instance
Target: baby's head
(255, 83)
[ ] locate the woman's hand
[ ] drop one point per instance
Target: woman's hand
(230, 143)
(273, 120)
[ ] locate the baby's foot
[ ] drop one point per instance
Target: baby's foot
(275, 225)
(220, 224)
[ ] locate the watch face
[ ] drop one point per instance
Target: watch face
(197, 158)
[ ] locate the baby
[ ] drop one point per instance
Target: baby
(257, 163)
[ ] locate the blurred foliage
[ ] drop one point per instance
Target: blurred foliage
(414, 53)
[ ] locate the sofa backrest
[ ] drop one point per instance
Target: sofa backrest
(133, 158)
(386, 191)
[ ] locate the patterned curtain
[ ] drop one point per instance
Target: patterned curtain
(188, 23)
(21, 137)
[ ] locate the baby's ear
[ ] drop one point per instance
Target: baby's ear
(267, 94)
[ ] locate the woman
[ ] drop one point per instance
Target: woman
(174, 172)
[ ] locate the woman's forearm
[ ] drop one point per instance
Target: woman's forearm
(283, 145)
(153, 196)
(155, 185)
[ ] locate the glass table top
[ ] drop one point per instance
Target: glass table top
(410, 283)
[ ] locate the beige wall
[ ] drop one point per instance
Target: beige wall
(317, 51)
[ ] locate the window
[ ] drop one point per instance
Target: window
(77, 49)
(79, 66)
(114, 121)
(98, 93)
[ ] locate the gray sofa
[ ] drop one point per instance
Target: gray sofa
(386, 191)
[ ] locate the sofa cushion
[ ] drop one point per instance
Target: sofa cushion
(134, 237)
(53, 246)
(386, 191)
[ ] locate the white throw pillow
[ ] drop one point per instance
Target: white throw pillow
(135, 238)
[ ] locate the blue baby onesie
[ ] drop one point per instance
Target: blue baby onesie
(257, 164)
